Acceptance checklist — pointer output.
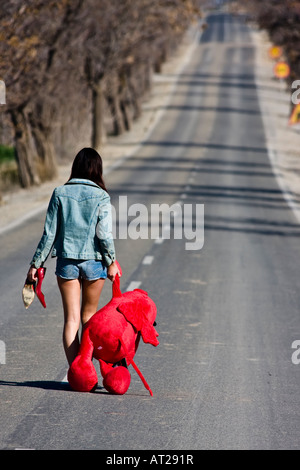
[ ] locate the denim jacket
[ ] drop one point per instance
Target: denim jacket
(78, 224)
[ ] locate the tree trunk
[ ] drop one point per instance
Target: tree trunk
(47, 164)
(115, 106)
(25, 150)
(148, 77)
(98, 128)
(135, 96)
(126, 114)
(124, 98)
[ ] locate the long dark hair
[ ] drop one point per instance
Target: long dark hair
(88, 165)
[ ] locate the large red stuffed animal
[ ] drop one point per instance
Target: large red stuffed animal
(112, 336)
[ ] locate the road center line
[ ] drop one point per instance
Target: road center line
(148, 260)
(133, 285)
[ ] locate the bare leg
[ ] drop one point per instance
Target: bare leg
(70, 293)
(91, 291)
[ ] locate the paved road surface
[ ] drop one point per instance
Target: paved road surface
(222, 376)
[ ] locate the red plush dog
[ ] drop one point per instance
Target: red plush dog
(112, 336)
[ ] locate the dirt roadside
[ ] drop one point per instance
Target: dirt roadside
(282, 139)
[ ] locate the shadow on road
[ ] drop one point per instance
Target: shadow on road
(48, 385)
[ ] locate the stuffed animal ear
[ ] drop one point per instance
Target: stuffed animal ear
(132, 311)
(149, 334)
(141, 313)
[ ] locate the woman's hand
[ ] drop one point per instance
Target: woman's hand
(32, 274)
(112, 271)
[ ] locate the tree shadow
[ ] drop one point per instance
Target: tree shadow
(218, 109)
(252, 225)
(213, 146)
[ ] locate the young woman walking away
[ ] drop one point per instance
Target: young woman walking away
(78, 231)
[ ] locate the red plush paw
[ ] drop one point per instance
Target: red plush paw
(82, 376)
(117, 381)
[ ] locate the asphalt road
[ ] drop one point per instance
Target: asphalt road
(228, 313)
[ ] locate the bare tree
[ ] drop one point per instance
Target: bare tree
(29, 43)
(281, 21)
(99, 57)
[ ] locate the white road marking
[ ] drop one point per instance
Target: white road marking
(148, 259)
(133, 285)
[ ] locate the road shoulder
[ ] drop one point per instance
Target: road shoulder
(282, 140)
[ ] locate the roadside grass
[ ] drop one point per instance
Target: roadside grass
(8, 168)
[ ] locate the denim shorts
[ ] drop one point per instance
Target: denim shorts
(90, 269)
